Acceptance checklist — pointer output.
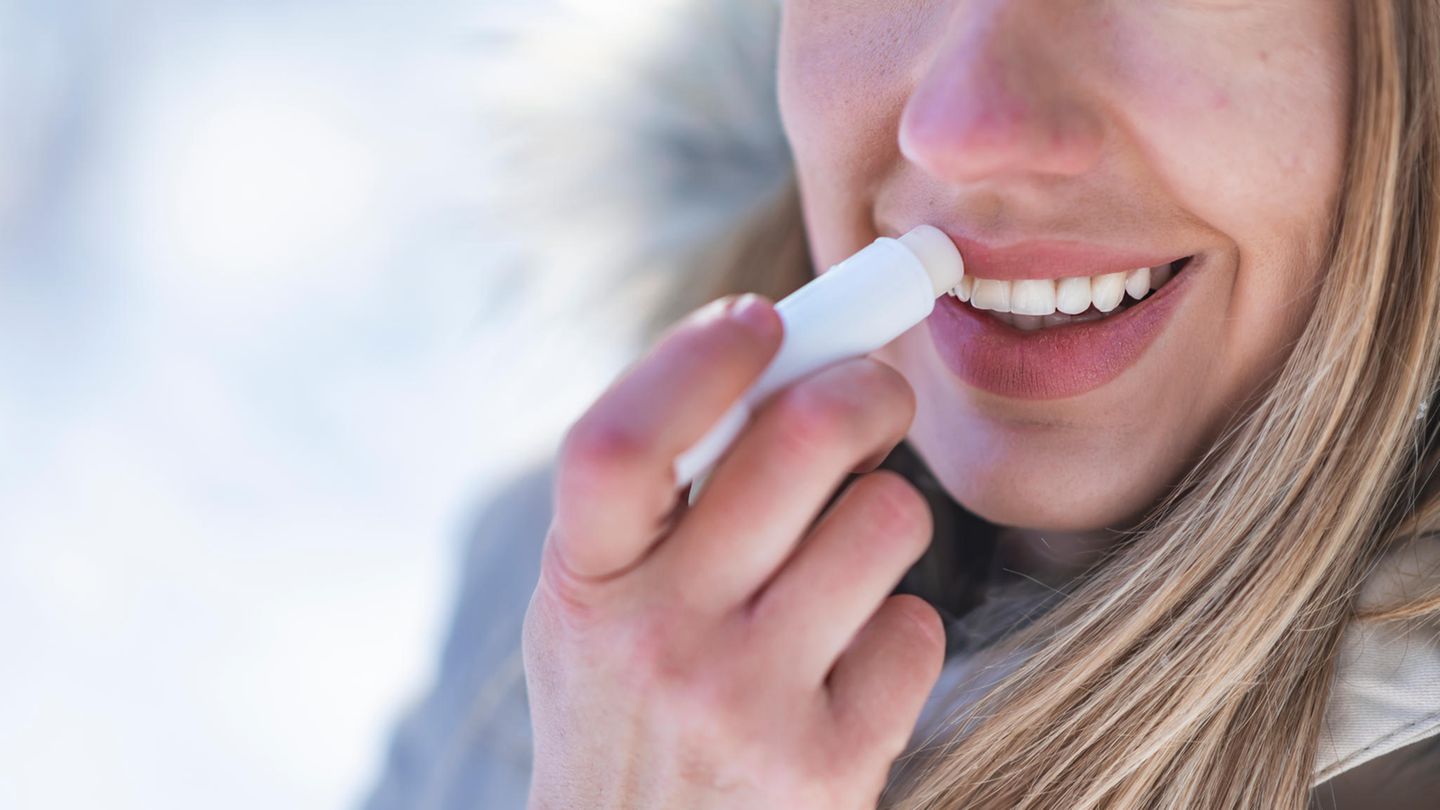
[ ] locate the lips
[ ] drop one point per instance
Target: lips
(1053, 363)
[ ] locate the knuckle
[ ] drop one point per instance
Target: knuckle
(569, 593)
(649, 648)
(593, 455)
(597, 444)
(815, 414)
(698, 691)
(890, 385)
(711, 698)
(918, 617)
(895, 508)
(846, 404)
(655, 653)
(706, 706)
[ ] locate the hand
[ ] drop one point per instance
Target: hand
(734, 653)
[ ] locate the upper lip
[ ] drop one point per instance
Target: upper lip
(1051, 258)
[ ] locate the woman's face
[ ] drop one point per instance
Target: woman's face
(1059, 141)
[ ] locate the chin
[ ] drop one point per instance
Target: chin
(1031, 476)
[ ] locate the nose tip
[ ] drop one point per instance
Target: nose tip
(977, 114)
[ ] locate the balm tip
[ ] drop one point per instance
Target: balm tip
(938, 254)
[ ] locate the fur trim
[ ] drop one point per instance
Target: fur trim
(623, 139)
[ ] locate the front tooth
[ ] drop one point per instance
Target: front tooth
(962, 290)
(1108, 291)
(1032, 297)
(1028, 323)
(1057, 320)
(1072, 295)
(1137, 283)
(1158, 276)
(990, 294)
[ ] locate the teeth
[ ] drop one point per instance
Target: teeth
(962, 290)
(991, 294)
(1072, 295)
(1107, 291)
(1030, 304)
(1033, 297)
(1137, 283)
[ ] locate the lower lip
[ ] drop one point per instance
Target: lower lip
(1052, 363)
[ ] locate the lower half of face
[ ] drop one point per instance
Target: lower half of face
(1143, 193)
(1100, 458)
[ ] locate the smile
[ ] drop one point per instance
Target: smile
(1060, 336)
(1034, 304)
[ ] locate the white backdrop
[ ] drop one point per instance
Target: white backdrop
(255, 374)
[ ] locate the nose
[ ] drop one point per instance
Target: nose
(996, 99)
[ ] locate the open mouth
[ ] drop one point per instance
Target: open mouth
(1034, 304)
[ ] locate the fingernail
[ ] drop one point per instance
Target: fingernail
(751, 310)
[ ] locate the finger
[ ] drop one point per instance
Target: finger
(614, 490)
(880, 683)
(843, 571)
(767, 491)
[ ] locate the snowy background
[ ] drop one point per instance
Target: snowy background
(255, 377)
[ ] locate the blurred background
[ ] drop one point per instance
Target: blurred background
(287, 288)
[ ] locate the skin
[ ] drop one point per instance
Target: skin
(737, 653)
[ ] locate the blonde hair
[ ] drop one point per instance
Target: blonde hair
(1192, 667)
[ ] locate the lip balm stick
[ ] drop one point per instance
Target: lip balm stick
(851, 310)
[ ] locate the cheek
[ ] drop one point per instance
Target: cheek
(1249, 161)
(846, 70)
(1247, 136)
(1250, 139)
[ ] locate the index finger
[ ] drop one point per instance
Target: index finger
(614, 486)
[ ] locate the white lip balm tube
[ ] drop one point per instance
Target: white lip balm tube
(851, 310)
